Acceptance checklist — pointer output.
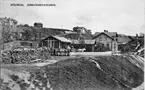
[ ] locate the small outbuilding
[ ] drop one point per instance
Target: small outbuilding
(55, 42)
(89, 45)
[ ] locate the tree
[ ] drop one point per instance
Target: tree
(6, 34)
(8, 25)
(29, 33)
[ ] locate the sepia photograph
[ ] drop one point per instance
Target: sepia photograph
(72, 44)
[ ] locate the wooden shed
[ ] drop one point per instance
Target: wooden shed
(55, 42)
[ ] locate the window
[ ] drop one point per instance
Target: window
(24, 44)
(56, 44)
(116, 39)
(100, 39)
(107, 44)
(45, 43)
(31, 44)
(105, 38)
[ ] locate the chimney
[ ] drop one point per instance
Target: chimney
(136, 35)
(89, 32)
(105, 30)
(38, 25)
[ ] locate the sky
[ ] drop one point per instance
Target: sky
(122, 16)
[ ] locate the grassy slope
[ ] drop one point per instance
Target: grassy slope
(81, 73)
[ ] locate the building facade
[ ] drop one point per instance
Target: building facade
(55, 42)
(106, 40)
(89, 45)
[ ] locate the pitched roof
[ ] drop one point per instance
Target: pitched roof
(104, 34)
(85, 42)
(112, 34)
(62, 39)
(6, 20)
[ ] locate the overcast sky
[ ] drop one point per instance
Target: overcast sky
(122, 16)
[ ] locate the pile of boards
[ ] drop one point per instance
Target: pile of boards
(21, 56)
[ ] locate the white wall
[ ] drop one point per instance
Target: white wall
(104, 41)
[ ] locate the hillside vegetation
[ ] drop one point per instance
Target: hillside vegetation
(82, 73)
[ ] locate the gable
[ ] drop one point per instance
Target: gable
(103, 35)
(62, 39)
(112, 34)
(103, 38)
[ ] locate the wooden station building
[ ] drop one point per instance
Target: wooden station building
(55, 42)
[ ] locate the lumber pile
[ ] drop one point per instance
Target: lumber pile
(25, 55)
